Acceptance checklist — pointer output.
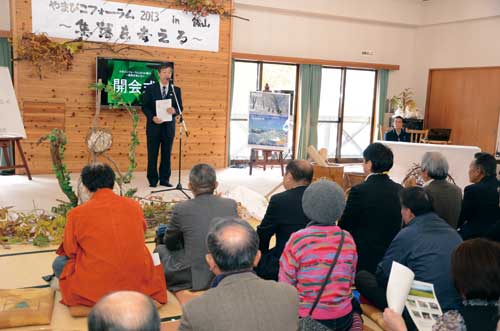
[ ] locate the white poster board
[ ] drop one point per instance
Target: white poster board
(123, 23)
(11, 123)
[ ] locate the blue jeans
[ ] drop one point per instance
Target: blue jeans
(58, 265)
(339, 324)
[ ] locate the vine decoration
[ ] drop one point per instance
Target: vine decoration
(203, 8)
(57, 140)
(44, 53)
(116, 101)
(414, 177)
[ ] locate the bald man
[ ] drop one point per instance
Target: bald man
(239, 299)
(125, 311)
(284, 216)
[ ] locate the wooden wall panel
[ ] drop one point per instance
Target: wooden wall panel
(63, 100)
(467, 100)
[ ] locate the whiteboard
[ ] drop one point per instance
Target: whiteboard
(11, 123)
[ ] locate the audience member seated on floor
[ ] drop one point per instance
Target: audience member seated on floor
(124, 311)
(475, 266)
(186, 268)
(103, 249)
(283, 217)
(446, 196)
(398, 133)
(310, 253)
(480, 210)
(239, 299)
(373, 214)
(425, 246)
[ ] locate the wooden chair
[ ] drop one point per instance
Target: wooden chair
(382, 131)
(418, 136)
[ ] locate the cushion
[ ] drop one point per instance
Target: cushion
(22, 307)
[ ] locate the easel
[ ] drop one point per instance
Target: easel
(5, 143)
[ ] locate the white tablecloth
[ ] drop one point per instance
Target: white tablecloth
(407, 154)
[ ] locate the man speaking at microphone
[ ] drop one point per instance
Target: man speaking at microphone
(160, 134)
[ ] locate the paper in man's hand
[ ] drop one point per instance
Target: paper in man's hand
(161, 110)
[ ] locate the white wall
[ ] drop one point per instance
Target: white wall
(300, 34)
(406, 12)
(448, 11)
(4, 15)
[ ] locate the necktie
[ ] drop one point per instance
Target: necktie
(164, 92)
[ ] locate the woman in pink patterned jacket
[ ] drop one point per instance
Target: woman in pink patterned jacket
(310, 252)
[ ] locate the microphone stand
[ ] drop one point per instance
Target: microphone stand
(178, 187)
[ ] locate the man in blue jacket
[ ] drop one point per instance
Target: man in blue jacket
(425, 246)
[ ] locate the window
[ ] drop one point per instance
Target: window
(253, 76)
(245, 81)
(346, 105)
(329, 110)
(358, 112)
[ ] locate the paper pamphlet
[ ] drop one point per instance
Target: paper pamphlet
(423, 306)
(161, 110)
(156, 259)
(419, 298)
(400, 281)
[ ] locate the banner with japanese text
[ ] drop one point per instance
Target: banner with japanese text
(123, 23)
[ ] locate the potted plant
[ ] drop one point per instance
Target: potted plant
(404, 103)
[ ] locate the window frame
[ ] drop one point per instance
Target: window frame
(340, 122)
(260, 70)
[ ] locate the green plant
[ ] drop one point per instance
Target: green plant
(57, 140)
(405, 99)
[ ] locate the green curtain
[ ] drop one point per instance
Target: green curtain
(230, 112)
(383, 82)
(5, 54)
(310, 83)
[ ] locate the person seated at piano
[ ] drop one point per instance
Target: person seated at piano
(398, 133)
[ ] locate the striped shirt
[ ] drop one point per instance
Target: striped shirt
(307, 257)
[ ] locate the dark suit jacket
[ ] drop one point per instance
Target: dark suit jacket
(149, 97)
(243, 302)
(284, 216)
(480, 209)
(373, 217)
(447, 200)
(393, 136)
(192, 218)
